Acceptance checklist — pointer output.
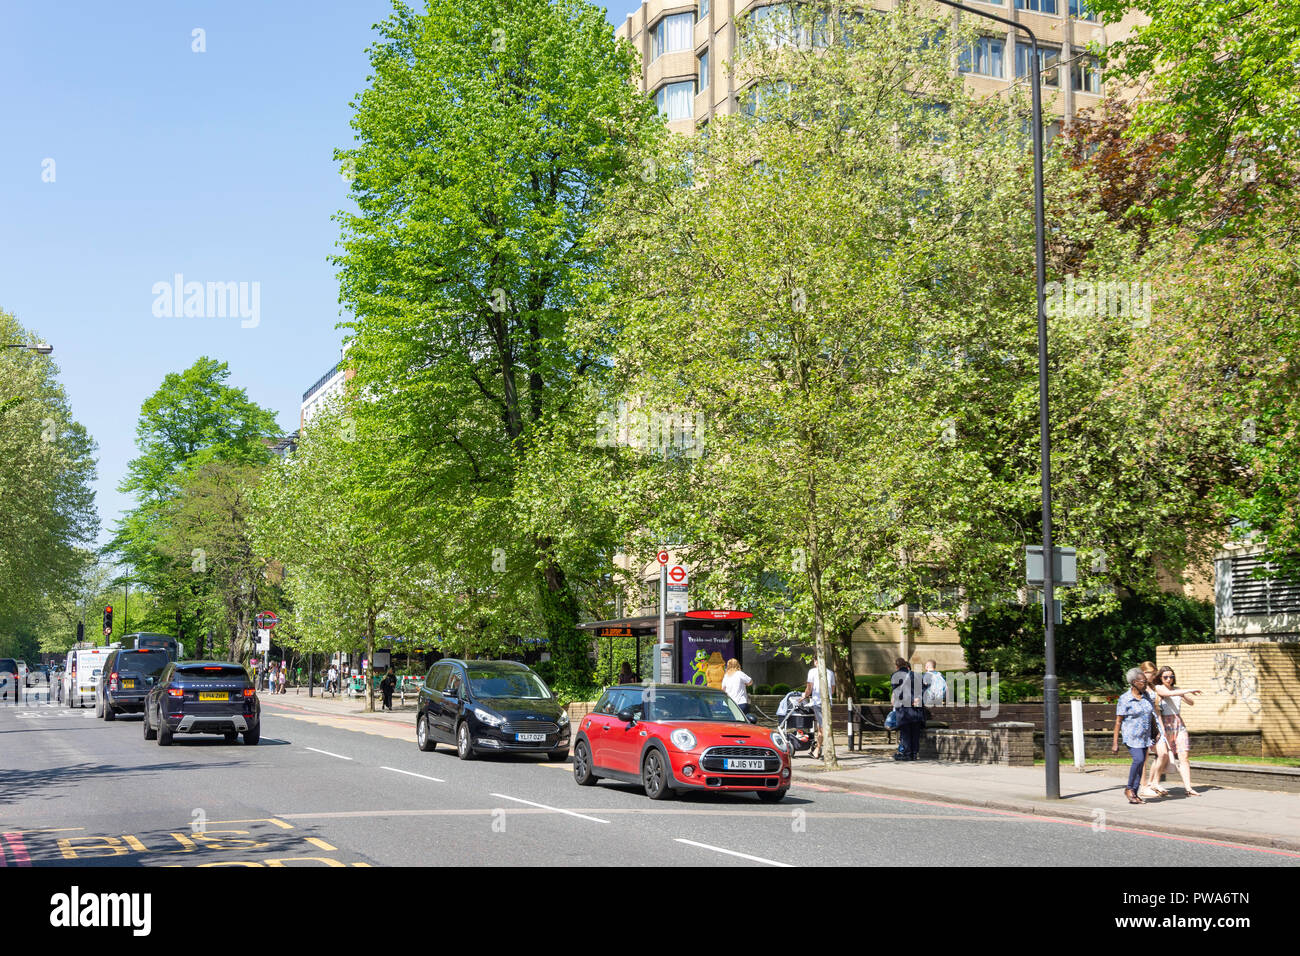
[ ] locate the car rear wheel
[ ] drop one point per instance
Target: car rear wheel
(582, 774)
(149, 732)
(164, 733)
(109, 712)
(654, 777)
(464, 746)
(772, 796)
(422, 736)
(231, 736)
(253, 734)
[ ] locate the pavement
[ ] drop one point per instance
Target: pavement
(1094, 797)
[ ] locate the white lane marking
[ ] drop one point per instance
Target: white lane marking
(743, 856)
(581, 816)
(328, 754)
(409, 774)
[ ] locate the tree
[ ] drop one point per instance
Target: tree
(197, 435)
(47, 513)
(345, 569)
(485, 138)
(1222, 77)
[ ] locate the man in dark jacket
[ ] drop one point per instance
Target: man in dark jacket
(908, 690)
(386, 687)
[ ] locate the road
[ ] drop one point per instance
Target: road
(337, 791)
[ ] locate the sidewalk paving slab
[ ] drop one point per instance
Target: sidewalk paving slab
(1254, 817)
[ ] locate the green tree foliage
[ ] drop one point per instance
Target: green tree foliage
(47, 513)
(483, 141)
(198, 438)
(1221, 77)
(1099, 648)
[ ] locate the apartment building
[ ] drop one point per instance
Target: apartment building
(687, 47)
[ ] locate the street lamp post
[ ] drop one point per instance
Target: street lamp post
(1051, 691)
(43, 348)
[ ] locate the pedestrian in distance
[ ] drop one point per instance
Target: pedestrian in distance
(938, 692)
(625, 675)
(734, 683)
(284, 676)
(331, 681)
(1133, 717)
(386, 687)
(812, 693)
(1171, 716)
(908, 690)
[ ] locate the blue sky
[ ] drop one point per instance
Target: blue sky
(216, 166)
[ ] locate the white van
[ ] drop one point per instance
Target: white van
(81, 673)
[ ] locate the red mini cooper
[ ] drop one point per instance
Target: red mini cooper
(675, 737)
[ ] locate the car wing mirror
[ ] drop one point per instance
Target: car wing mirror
(627, 716)
(752, 718)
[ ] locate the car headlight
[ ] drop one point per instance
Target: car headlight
(564, 718)
(779, 741)
(489, 718)
(682, 739)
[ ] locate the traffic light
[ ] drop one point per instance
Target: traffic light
(108, 621)
(81, 631)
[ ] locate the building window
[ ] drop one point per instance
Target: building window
(675, 100)
(1038, 6)
(1079, 10)
(672, 35)
(984, 57)
(704, 9)
(1049, 59)
(755, 100)
(703, 62)
(1085, 73)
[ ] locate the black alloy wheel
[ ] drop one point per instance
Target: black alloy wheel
(464, 746)
(423, 738)
(582, 774)
(654, 776)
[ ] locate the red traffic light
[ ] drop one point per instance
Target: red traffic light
(109, 609)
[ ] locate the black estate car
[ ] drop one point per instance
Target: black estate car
(490, 706)
(125, 680)
(203, 697)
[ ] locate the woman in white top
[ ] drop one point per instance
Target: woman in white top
(734, 682)
(1171, 701)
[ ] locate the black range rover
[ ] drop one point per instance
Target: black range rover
(490, 707)
(203, 697)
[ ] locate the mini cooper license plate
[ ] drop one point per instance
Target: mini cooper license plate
(212, 695)
(530, 738)
(733, 763)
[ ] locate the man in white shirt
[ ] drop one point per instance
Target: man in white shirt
(812, 693)
(938, 689)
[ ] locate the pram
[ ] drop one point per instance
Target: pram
(795, 720)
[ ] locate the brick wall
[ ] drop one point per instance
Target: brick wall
(1097, 744)
(1010, 744)
(1247, 686)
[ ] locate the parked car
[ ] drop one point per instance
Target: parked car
(679, 737)
(125, 681)
(8, 679)
(203, 697)
(490, 707)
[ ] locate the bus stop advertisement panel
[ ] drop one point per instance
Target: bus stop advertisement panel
(703, 649)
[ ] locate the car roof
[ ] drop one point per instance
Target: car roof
(694, 688)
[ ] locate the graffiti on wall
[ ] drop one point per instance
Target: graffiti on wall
(1235, 674)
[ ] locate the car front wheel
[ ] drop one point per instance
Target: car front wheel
(582, 774)
(464, 747)
(654, 777)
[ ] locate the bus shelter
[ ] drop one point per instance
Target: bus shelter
(698, 644)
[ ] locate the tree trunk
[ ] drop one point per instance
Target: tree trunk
(829, 759)
(560, 615)
(370, 661)
(842, 659)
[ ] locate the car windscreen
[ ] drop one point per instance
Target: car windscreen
(494, 682)
(211, 672)
(691, 705)
(148, 663)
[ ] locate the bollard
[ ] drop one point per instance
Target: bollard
(1076, 724)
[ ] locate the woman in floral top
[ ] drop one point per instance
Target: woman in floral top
(1133, 715)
